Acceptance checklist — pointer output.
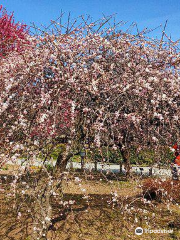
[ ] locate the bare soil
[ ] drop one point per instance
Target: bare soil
(103, 210)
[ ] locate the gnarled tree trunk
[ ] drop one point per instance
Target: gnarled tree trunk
(41, 207)
(47, 184)
(126, 159)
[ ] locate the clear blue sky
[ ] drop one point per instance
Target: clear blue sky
(145, 13)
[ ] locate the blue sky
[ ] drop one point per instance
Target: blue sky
(145, 13)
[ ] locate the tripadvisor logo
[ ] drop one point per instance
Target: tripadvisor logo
(138, 231)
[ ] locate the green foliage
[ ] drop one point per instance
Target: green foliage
(76, 158)
(105, 154)
(144, 157)
(59, 148)
(147, 157)
(163, 156)
(5, 168)
(49, 167)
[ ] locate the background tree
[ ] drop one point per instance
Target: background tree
(12, 34)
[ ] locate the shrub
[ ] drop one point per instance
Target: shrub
(161, 190)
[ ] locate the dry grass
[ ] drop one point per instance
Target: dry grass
(122, 188)
(115, 224)
(96, 216)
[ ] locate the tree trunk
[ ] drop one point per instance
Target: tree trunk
(62, 160)
(95, 165)
(126, 160)
(47, 184)
(41, 208)
(150, 171)
(120, 167)
(82, 163)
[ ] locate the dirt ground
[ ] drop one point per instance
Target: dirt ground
(99, 209)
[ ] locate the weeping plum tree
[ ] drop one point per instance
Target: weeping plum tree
(87, 84)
